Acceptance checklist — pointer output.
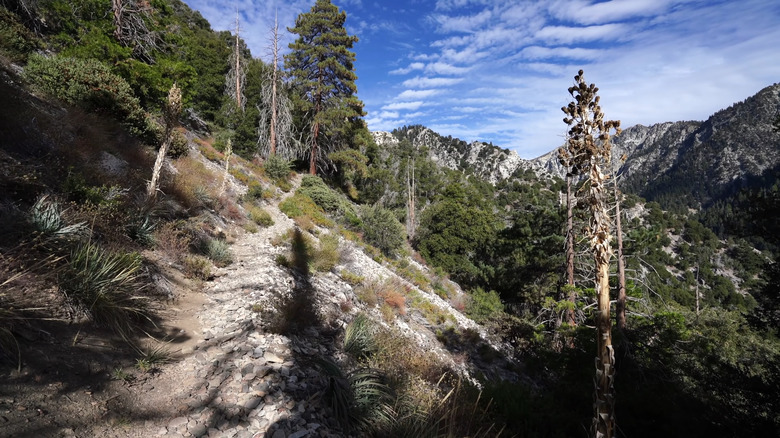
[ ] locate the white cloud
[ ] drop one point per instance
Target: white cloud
(568, 35)
(588, 12)
(397, 106)
(464, 23)
(412, 95)
(408, 69)
(538, 52)
(425, 82)
(444, 68)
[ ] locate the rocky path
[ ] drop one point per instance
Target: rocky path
(239, 380)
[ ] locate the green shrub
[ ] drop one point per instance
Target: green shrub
(90, 84)
(314, 187)
(484, 305)
(259, 216)
(197, 267)
(218, 251)
(359, 337)
(359, 400)
(179, 146)
(277, 168)
(255, 190)
(351, 278)
(327, 256)
(104, 285)
(301, 205)
(16, 41)
(141, 230)
(382, 229)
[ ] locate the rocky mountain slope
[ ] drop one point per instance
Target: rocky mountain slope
(692, 162)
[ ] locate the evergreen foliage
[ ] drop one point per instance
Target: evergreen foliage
(321, 68)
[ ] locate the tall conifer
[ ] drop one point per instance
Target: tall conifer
(321, 68)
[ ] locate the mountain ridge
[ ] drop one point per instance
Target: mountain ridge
(738, 138)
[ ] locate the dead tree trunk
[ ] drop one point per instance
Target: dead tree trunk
(172, 111)
(588, 145)
(274, 78)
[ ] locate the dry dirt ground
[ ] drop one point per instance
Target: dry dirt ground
(224, 376)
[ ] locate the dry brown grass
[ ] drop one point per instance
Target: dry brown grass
(194, 186)
(172, 240)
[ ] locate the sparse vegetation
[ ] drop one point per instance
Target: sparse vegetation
(104, 285)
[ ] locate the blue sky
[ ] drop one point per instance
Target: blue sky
(498, 70)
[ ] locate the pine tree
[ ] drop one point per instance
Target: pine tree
(589, 147)
(321, 68)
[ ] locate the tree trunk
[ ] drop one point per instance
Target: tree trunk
(313, 157)
(116, 6)
(604, 403)
(151, 189)
(621, 264)
(273, 86)
(238, 67)
(570, 251)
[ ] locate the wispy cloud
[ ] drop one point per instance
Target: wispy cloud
(408, 69)
(410, 106)
(414, 95)
(498, 70)
(425, 82)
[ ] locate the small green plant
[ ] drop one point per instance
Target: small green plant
(259, 215)
(251, 227)
(360, 400)
(359, 337)
(120, 374)
(45, 216)
(218, 251)
(105, 285)
(258, 308)
(351, 278)
(142, 231)
(153, 357)
(277, 168)
(327, 256)
(196, 267)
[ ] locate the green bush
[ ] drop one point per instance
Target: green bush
(382, 229)
(179, 146)
(484, 305)
(197, 267)
(91, 85)
(218, 251)
(300, 205)
(327, 256)
(277, 168)
(259, 216)
(16, 41)
(315, 188)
